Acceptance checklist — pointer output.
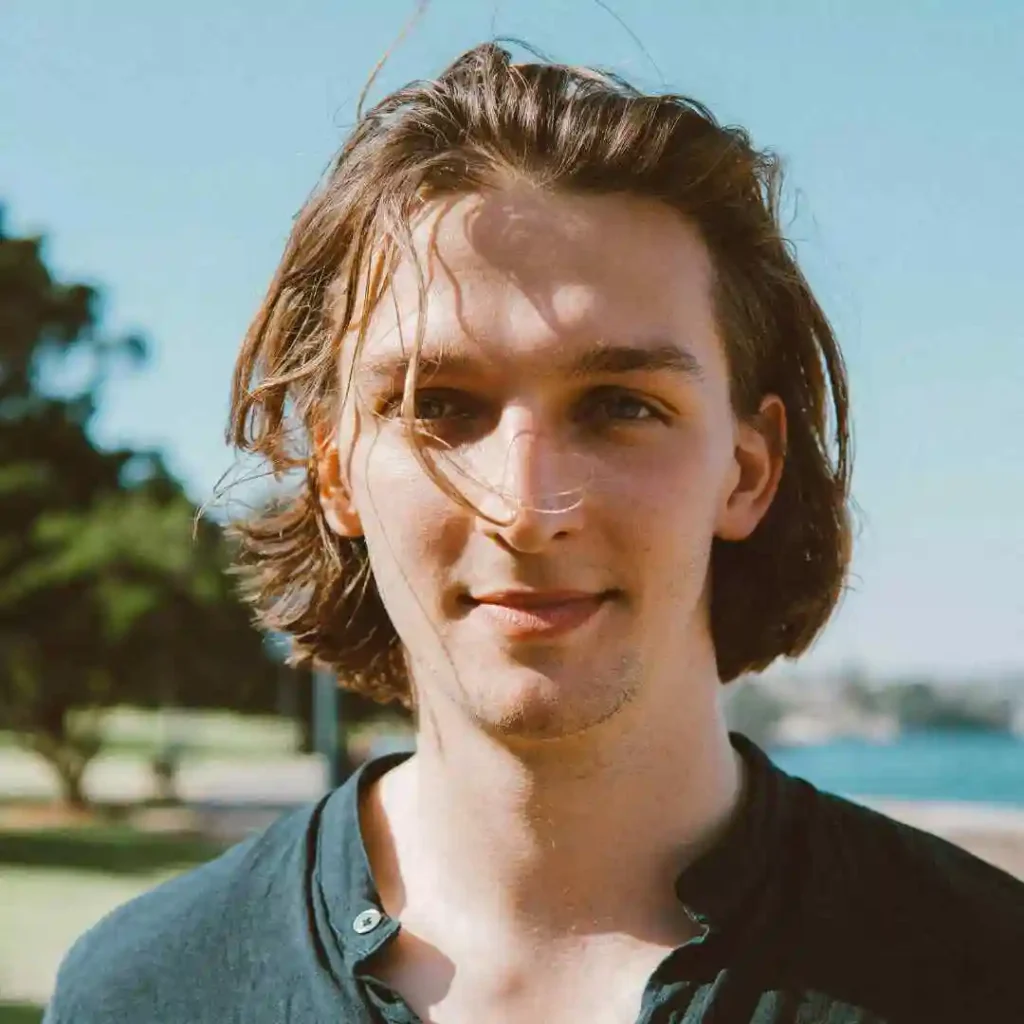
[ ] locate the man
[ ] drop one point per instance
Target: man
(561, 397)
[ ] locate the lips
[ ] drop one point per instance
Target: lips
(523, 614)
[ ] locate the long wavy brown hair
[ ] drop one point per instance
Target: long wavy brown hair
(570, 129)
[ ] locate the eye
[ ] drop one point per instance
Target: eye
(441, 405)
(431, 406)
(614, 405)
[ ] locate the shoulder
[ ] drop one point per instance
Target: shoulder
(174, 952)
(906, 870)
(906, 910)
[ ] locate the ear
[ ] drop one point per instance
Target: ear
(759, 456)
(335, 497)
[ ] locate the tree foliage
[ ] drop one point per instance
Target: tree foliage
(112, 589)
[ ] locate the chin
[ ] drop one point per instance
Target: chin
(531, 705)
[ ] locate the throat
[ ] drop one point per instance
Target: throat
(528, 882)
(598, 978)
(523, 861)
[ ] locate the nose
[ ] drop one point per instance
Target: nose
(538, 487)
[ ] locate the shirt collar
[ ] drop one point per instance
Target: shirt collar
(714, 888)
(343, 877)
(718, 885)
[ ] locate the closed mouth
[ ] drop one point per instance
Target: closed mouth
(523, 615)
(529, 599)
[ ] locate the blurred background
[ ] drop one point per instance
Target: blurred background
(151, 161)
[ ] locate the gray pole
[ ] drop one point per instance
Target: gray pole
(326, 726)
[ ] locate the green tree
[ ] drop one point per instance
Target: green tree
(112, 589)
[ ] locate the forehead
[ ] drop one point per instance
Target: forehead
(513, 271)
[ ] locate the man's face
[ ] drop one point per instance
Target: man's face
(573, 386)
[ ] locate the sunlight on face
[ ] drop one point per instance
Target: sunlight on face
(573, 387)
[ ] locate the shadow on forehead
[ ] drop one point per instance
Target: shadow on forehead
(537, 233)
(540, 241)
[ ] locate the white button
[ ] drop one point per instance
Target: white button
(367, 921)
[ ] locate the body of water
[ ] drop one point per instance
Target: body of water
(977, 767)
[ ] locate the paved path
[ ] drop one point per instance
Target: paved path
(227, 797)
(121, 778)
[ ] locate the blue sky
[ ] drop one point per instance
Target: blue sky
(164, 150)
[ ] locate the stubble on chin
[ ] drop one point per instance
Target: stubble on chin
(547, 708)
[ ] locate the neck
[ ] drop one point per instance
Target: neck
(581, 834)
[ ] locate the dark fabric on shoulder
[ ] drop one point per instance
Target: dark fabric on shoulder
(818, 909)
(208, 945)
(903, 921)
(823, 903)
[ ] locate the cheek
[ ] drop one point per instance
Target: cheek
(413, 531)
(680, 480)
(666, 505)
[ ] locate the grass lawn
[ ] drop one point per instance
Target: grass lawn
(55, 884)
(105, 850)
(20, 1013)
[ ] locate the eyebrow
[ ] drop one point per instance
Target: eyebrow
(615, 359)
(602, 360)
